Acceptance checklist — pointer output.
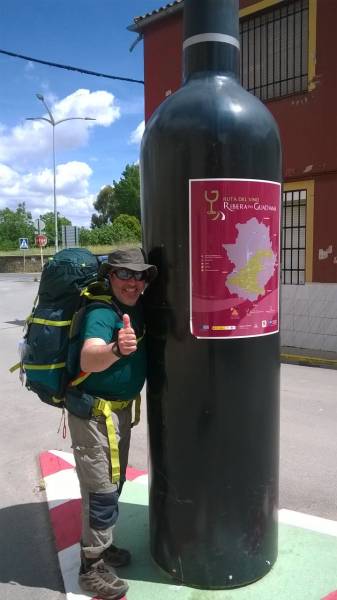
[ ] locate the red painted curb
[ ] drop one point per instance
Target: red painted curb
(51, 464)
(66, 523)
(132, 473)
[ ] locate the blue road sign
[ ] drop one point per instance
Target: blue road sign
(23, 242)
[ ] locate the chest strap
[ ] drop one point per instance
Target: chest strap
(105, 408)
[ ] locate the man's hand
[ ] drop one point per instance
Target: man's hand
(127, 341)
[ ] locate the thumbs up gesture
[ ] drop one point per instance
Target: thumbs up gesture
(127, 341)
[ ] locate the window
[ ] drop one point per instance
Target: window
(294, 219)
(274, 50)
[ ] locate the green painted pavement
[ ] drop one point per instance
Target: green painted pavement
(306, 568)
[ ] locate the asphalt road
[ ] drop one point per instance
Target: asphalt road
(28, 560)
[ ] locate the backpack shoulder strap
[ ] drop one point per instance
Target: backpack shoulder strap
(94, 301)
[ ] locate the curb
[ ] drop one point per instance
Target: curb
(309, 361)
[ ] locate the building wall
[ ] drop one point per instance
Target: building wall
(162, 61)
(309, 316)
(308, 128)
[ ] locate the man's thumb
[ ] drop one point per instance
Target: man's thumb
(126, 321)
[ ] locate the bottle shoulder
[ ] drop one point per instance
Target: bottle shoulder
(208, 101)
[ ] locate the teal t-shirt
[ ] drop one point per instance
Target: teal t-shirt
(125, 378)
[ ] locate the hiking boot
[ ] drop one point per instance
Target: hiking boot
(116, 557)
(96, 578)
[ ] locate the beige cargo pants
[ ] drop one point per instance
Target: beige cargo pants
(93, 464)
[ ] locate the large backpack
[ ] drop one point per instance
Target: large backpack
(50, 349)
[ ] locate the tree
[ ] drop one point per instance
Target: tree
(123, 229)
(127, 191)
(49, 230)
(106, 205)
(126, 229)
(123, 197)
(14, 225)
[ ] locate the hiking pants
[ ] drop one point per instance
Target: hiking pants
(93, 464)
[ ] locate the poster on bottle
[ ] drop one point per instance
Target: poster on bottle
(234, 257)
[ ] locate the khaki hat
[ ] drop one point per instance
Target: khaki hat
(132, 259)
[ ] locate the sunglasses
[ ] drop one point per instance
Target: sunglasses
(125, 274)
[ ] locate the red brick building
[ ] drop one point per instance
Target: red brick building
(288, 59)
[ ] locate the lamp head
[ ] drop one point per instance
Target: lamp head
(40, 97)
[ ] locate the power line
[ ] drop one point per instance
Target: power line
(70, 68)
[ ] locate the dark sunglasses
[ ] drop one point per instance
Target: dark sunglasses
(125, 274)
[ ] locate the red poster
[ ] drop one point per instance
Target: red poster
(234, 257)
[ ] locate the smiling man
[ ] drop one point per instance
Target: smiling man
(113, 352)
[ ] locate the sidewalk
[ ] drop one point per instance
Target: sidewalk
(310, 358)
(305, 569)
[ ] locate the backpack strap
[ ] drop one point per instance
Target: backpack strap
(105, 408)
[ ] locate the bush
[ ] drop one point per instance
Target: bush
(123, 229)
(126, 229)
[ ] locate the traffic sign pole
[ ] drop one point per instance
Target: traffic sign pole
(41, 241)
(23, 245)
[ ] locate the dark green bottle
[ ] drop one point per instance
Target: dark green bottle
(210, 171)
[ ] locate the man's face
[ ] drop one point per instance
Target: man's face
(128, 291)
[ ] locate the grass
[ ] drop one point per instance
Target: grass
(50, 250)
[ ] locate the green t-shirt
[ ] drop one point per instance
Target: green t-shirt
(125, 378)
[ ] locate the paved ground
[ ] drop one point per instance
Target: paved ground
(305, 568)
(29, 566)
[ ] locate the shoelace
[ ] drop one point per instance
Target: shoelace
(101, 567)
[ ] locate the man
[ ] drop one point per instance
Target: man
(113, 352)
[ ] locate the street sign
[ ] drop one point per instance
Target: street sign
(70, 236)
(41, 240)
(39, 225)
(23, 243)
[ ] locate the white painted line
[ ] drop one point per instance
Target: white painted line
(70, 564)
(62, 486)
(298, 519)
(142, 479)
(67, 456)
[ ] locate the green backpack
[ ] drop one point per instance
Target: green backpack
(51, 344)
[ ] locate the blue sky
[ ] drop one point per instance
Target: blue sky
(91, 34)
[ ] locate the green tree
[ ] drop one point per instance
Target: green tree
(14, 225)
(123, 229)
(49, 230)
(84, 236)
(126, 228)
(106, 206)
(127, 191)
(123, 197)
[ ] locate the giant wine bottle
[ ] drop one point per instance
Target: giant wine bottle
(210, 171)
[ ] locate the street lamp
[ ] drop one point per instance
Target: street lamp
(52, 122)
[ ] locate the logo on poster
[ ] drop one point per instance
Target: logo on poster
(213, 214)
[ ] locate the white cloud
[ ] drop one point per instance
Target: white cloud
(83, 103)
(29, 66)
(26, 154)
(30, 141)
(137, 134)
(36, 189)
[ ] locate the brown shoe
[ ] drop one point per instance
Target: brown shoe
(98, 579)
(116, 557)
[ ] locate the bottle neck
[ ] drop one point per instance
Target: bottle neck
(211, 37)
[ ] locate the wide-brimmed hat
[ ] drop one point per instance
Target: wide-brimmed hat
(133, 259)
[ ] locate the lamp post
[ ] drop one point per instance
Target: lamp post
(53, 123)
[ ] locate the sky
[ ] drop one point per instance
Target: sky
(90, 34)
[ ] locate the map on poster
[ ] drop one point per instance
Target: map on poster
(253, 259)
